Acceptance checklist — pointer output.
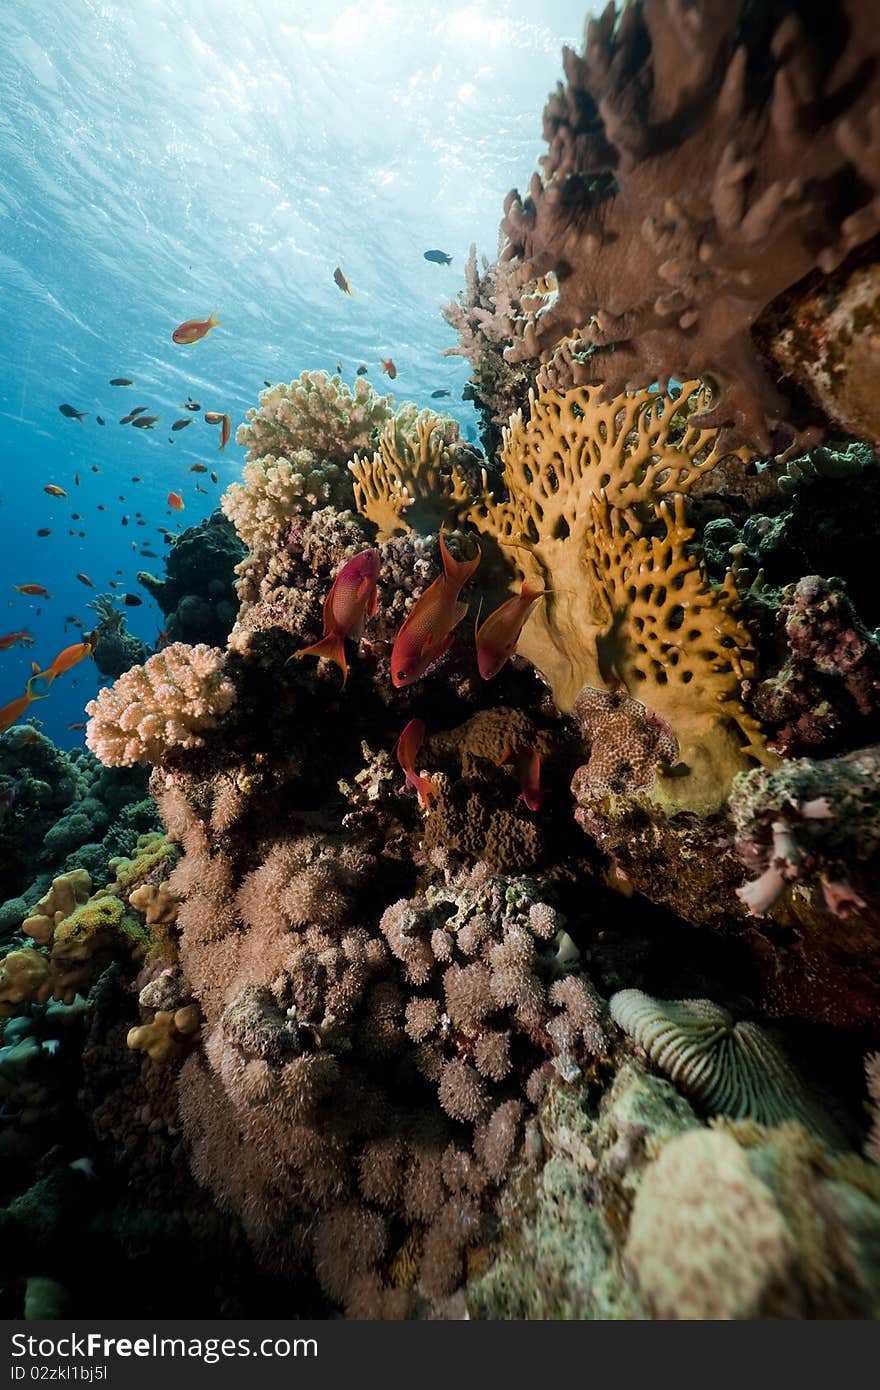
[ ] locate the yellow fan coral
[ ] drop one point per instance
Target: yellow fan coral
(595, 512)
(410, 483)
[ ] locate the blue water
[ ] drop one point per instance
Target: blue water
(162, 159)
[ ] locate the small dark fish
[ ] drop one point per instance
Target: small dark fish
(76, 516)
(81, 534)
(145, 422)
(79, 725)
(71, 413)
(170, 440)
(199, 488)
(214, 478)
(136, 480)
(435, 395)
(84, 579)
(180, 424)
(124, 521)
(197, 467)
(114, 583)
(101, 507)
(121, 381)
(76, 479)
(71, 533)
(191, 405)
(341, 279)
(132, 601)
(138, 410)
(150, 554)
(438, 257)
(44, 531)
(362, 371)
(140, 523)
(267, 383)
(338, 368)
(95, 468)
(99, 420)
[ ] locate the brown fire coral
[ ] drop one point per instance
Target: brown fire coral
(410, 483)
(169, 702)
(630, 606)
(702, 158)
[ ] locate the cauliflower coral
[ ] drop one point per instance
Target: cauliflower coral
(169, 702)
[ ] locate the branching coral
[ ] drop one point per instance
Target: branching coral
(411, 483)
(169, 702)
(595, 513)
(729, 1068)
(318, 413)
(701, 160)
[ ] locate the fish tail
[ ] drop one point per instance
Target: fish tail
(213, 319)
(48, 676)
(330, 648)
(458, 572)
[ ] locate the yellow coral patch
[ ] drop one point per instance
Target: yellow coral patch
(409, 484)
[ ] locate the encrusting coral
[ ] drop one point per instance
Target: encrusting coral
(169, 702)
(667, 205)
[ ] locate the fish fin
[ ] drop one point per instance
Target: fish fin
(330, 648)
(38, 675)
(477, 620)
(460, 610)
(213, 319)
(426, 790)
(457, 572)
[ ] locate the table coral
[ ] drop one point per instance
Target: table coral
(169, 702)
(667, 205)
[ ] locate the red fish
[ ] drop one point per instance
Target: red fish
(527, 766)
(12, 638)
(175, 502)
(408, 746)
(193, 329)
(426, 632)
(35, 589)
(353, 598)
(388, 366)
(497, 637)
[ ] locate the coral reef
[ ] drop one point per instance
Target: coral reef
(666, 205)
(197, 595)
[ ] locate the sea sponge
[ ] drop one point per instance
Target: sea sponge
(169, 702)
(68, 892)
(594, 512)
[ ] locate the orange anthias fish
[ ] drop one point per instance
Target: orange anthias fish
(497, 637)
(70, 656)
(12, 638)
(193, 329)
(215, 417)
(353, 598)
(35, 589)
(175, 501)
(54, 490)
(426, 632)
(16, 708)
(388, 366)
(408, 746)
(527, 766)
